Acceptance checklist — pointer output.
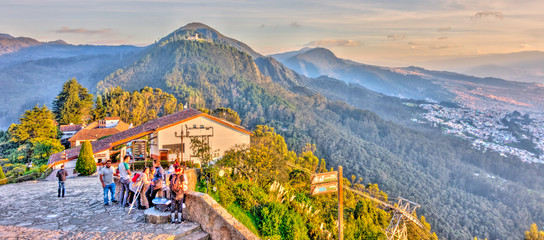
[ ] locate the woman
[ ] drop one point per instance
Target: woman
(145, 181)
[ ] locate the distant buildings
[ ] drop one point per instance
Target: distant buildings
(96, 130)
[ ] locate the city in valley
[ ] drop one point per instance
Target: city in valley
(509, 133)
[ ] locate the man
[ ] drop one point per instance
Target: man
(62, 174)
(178, 183)
(157, 180)
(124, 174)
(106, 177)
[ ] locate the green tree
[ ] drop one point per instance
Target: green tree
(227, 114)
(85, 164)
(73, 104)
(35, 123)
(99, 111)
(43, 148)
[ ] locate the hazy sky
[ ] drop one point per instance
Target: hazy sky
(371, 31)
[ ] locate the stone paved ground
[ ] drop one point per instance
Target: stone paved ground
(31, 210)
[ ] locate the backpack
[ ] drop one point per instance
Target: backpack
(135, 178)
(176, 182)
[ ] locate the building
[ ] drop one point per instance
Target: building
(69, 131)
(99, 129)
(170, 134)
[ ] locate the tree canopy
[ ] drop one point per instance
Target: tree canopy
(73, 104)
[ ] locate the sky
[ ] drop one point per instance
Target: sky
(385, 32)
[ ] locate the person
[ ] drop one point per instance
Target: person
(150, 187)
(177, 182)
(139, 187)
(62, 174)
(157, 180)
(106, 177)
(124, 174)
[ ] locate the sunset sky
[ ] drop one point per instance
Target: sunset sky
(388, 32)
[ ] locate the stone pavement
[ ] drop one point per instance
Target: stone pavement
(31, 210)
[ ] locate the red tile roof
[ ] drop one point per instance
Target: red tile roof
(140, 131)
(93, 132)
(71, 127)
(111, 118)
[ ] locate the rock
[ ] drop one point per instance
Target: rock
(155, 216)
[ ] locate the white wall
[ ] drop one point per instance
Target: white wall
(224, 137)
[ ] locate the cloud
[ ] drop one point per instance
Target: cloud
(441, 46)
(442, 37)
(395, 37)
(483, 14)
(333, 43)
(262, 26)
(525, 45)
(443, 29)
(295, 25)
(84, 31)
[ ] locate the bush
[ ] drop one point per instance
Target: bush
(248, 195)
(2, 175)
(85, 164)
(270, 218)
(226, 197)
(293, 227)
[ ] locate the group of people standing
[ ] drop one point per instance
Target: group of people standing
(146, 186)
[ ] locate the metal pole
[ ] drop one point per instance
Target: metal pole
(340, 205)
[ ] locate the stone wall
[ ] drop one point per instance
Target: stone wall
(214, 219)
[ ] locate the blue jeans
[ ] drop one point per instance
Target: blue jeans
(111, 188)
(61, 187)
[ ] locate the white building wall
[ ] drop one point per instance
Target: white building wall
(223, 139)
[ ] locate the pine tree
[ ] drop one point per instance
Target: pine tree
(73, 104)
(85, 164)
(99, 111)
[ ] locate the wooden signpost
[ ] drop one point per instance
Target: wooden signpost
(331, 182)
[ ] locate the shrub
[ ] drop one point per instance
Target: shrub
(2, 175)
(85, 164)
(248, 195)
(226, 197)
(270, 218)
(293, 227)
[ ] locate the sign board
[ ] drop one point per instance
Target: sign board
(324, 177)
(139, 150)
(324, 188)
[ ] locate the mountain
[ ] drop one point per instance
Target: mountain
(207, 33)
(286, 55)
(320, 61)
(462, 192)
(524, 66)
(419, 83)
(443, 174)
(9, 44)
(35, 74)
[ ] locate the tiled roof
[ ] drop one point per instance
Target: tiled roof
(111, 118)
(148, 127)
(139, 131)
(93, 132)
(71, 127)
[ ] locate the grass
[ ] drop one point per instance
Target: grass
(236, 211)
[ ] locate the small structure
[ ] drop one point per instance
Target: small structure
(172, 133)
(96, 130)
(69, 131)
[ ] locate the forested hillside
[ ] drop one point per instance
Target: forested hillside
(448, 179)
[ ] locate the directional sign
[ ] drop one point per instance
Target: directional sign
(324, 188)
(324, 177)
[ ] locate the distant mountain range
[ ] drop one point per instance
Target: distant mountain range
(204, 68)
(9, 44)
(527, 66)
(418, 83)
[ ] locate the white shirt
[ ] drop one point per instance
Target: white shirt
(123, 171)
